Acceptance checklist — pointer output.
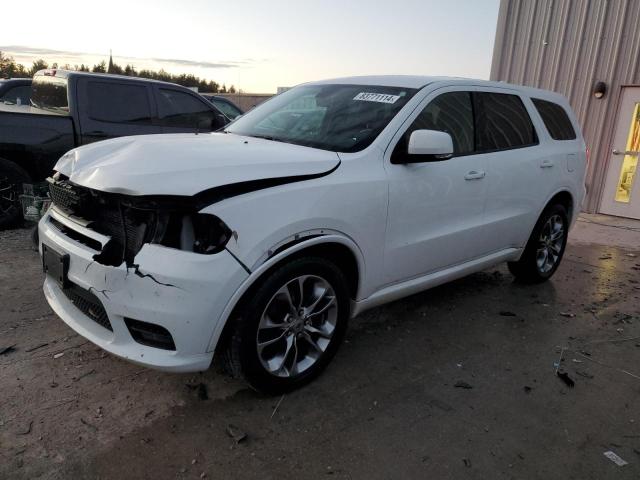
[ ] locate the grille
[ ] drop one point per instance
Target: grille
(88, 304)
(66, 196)
(126, 226)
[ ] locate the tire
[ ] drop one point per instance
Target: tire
(12, 177)
(286, 359)
(545, 248)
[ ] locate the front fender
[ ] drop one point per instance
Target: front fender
(257, 273)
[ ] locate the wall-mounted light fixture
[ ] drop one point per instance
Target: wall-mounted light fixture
(599, 90)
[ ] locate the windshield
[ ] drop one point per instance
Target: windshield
(340, 118)
(50, 93)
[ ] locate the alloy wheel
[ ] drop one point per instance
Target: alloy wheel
(550, 244)
(297, 325)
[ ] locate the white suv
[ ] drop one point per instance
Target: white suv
(258, 243)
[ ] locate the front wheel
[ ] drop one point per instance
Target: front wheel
(290, 327)
(545, 247)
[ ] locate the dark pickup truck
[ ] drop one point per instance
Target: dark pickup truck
(69, 109)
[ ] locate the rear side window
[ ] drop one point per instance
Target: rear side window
(50, 93)
(451, 113)
(118, 103)
(179, 109)
(502, 122)
(556, 120)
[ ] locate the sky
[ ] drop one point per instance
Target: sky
(255, 45)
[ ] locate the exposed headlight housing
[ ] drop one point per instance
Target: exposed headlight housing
(210, 234)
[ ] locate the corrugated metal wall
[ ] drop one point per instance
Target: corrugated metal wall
(567, 46)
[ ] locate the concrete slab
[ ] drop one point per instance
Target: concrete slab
(596, 229)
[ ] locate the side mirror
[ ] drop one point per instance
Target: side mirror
(428, 146)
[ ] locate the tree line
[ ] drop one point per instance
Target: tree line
(9, 68)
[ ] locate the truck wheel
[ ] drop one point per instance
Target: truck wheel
(11, 179)
(545, 247)
(290, 327)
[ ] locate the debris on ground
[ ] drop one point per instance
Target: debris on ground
(276, 409)
(606, 256)
(507, 313)
(567, 314)
(464, 385)
(527, 389)
(93, 427)
(584, 374)
(6, 350)
(86, 374)
(467, 462)
(235, 433)
(615, 458)
(58, 355)
(201, 390)
(28, 429)
(37, 347)
(564, 376)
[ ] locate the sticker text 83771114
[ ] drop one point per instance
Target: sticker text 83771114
(376, 97)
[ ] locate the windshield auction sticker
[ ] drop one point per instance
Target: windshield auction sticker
(376, 97)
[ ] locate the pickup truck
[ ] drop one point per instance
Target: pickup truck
(69, 109)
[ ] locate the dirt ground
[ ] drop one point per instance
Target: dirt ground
(456, 382)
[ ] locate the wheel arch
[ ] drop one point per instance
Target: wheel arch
(564, 198)
(335, 247)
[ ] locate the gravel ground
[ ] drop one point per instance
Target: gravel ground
(456, 382)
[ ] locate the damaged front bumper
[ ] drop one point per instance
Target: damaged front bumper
(161, 312)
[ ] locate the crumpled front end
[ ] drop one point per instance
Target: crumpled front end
(142, 279)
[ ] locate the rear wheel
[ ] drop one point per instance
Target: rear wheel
(545, 247)
(291, 326)
(11, 179)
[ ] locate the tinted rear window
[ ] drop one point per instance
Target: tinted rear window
(50, 93)
(118, 103)
(502, 122)
(556, 120)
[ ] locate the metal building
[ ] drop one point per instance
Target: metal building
(588, 50)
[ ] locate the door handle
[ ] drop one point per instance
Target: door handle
(546, 164)
(629, 152)
(474, 175)
(96, 133)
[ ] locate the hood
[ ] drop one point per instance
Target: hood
(187, 164)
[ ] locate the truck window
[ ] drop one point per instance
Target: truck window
(50, 93)
(179, 109)
(118, 102)
(556, 120)
(17, 95)
(229, 110)
(502, 122)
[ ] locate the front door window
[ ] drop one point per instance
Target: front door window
(630, 162)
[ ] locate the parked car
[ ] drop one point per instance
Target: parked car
(69, 109)
(260, 242)
(15, 91)
(226, 106)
